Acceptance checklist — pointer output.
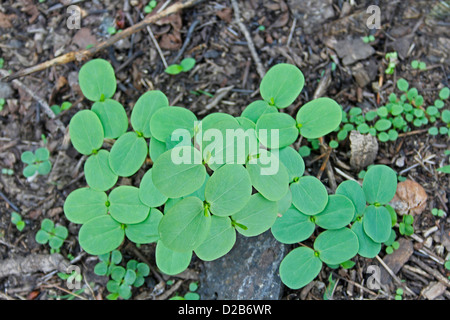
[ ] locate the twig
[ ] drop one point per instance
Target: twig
(356, 284)
(186, 41)
(237, 16)
(431, 271)
(38, 99)
(396, 279)
(65, 290)
(9, 202)
(220, 94)
(85, 54)
(158, 48)
(169, 292)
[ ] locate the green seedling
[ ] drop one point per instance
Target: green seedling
(150, 6)
(123, 279)
(438, 212)
(391, 244)
(399, 294)
(368, 39)
(185, 65)
(2, 62)
(2, 103)
(190, 295)
(402, 114)
(444, 169)
(75, 276)
(58, 109)
(207, 197)
(8, 172)
(111, 30)
(16, 219)
(364, 208)
(420, 65)
(406, 226)
(51, 234)
(107, 262)
(392, 59)
(37, 162)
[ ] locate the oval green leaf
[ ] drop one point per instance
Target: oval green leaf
(148, 193)
(220, 240)
(98, 173)
(126, 206)
(352, 190)
(299, 267)
(113, 117)
(84, 204)
(276, 130)
(97, 80)
(86, 132)
(179, 172)
(292, 227)
(256, 109)
(147, 230)
(309, 195)
(293, 162)
(367, 247)
(101, 235)
(338, 213)
(168, 119)
(377, 223)
(228, 190)
(319, 117)
(336, 246)
(258, 216)
(169, 261)
(281, 85)
(128, 154)
(185, 225)
(380, 184)
(143, 110)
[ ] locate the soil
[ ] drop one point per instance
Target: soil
(226, 78)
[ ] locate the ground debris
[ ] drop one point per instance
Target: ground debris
(33, 263)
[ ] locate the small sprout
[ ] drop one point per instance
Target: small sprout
(16, 219)
(185, 65)
(399, 294)
(2, 103)
(150, 6)
(438, 212)
(415, 64)
(392, 58)
(368, 39)
(37, 162)
(111, 30)
(444, 93)
(406, 226)
(54, 235)
(2, 62)
(64, 106)
(8, 172)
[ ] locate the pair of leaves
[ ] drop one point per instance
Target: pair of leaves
(303, 264)
(37, 162)
(54, 235)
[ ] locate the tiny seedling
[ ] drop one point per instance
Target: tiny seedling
(368, 39)
(51, 234)
(16, 219)
(438, 212)
(150, 6)
(107, 262)
(392, 59)
(406, 226)
(399, 294)
(8, 172)
(190, 295)
(2, 62)
(37, 162)
(75, 276)
(2, 103)
(123, 279)
(58, 109)
(420, 65)
(185, 65)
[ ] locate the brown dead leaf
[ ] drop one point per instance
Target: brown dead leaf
(174, 20)
(410, 198)
(83, 38)
(281, 21)
(31, 9)
(225, 14)
(171, 41)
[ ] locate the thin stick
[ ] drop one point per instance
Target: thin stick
(158, 48)
(85, 54)
(431, 271)
(251, 46)
(396, 279)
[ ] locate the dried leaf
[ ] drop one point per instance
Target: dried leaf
(281, 21)
(83, 38)
(225, 14)
(171, 41)
(5, 20)
(410, 198)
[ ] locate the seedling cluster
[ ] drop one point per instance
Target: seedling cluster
(51, 234)
(16, 219)
(402, 114)
(123, 279)
(185, 65)
(203, 187)
(37, 162)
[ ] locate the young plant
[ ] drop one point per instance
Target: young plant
(362, 208)
(51, 234)
(8, 172)
(190, 295)
(406, 226)
(185, 65)
(2, 102)
(150, 6)
(420, 65)
(438, 212)
(123, 279)
(392, 59)
(107, 262)
(37, 162)
(58, 109)
(368, 39)
(16, 219)
(399, 294)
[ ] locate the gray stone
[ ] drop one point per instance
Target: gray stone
(248, 272)
(6, 91)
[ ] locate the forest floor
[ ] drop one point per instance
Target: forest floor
(316, 36)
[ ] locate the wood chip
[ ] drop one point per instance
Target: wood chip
(410, 198)
(433, 290)
(397, 259)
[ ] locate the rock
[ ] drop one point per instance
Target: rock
(248, 272)
(6, 91)
(351, 50)
(364, 149)
(311, 14)
(410, 198)
(364, 74)
(396, 260)
(433, 290)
